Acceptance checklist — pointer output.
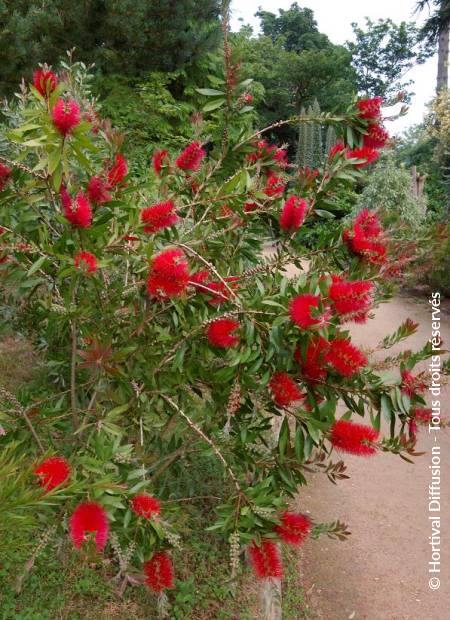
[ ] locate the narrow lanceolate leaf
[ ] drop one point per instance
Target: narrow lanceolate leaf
(405, 330)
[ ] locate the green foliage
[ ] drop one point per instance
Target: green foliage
(389, 189)
(382, 53)
(123, 36)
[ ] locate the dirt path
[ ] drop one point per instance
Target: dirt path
(381, 572)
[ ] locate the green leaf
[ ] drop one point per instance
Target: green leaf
(213, 105)
(37, 265)
(210, 92)
(283, 439)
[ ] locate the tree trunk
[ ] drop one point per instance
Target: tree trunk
(442, 74)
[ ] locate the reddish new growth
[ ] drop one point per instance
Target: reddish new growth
(52, 472)
(78, 211)
(89, 517)
(275, 186)
(312, 365)
(412, 385)
(191, 157)
(294, 528)
(370, 108)
(158, 159)
(265, 560)
(145, 506)
(169, 276)
(44, 82)
(351, 300)
(85, 261)
(376, 137)
(284, 389)
(307, 176)
(159, 572)
(354, 438)
(220, 333)
(345, 358)
(336, 149)
(66, 116)
(118, 171)
(366, 153)
(5, 176)
(365, 238)
(303, 311)
(293, 213)
(98, 190)
(159, 216)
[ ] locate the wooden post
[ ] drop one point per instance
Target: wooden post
(270, 599)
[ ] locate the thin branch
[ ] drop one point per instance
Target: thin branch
(206, 439)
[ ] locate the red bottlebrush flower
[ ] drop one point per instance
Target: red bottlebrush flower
(169, 276)
(66, 116)
(353, 438)
(219, 292)
(145, 506)
(368, 154)
(118, 170)
(369, 223)
(422, 415)
(274, 186)
(198, 277)
(52, 472)
(158, 159)
(191, 157)
(78, 212)
(280, 157)
(412, 385)
(313, 364)
(159, 572)
(364, 238)
(247, 97)
(284, 389)
(89, 517)
(294, 528)
(2, 230)
(85, 261)
(376, 137)
(98, 191)
(351, 300)
(159, 216)
(249, 207)
(266, 560)
(220, 333)
(5, 176)
(345, 358)
(301, 311)
(44, 82)
(293, 213)
(370, 108)
(335, 149)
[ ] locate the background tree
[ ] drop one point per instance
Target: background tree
(296, 65)
(122, 36)
(382, 54)
(436, 31)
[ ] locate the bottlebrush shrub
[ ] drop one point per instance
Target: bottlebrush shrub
(166, 331)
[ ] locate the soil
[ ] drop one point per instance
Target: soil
(381, 571)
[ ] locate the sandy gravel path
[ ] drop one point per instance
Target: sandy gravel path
(381, 572)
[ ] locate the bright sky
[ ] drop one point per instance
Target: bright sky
(334, 18)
